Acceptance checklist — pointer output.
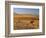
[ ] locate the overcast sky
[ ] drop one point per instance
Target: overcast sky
(26, 11)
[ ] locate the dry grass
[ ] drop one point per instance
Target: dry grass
(26, 22)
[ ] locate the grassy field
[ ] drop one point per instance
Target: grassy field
(26, 22)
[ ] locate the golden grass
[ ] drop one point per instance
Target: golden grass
(26, 22)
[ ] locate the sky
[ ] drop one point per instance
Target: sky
(26, 11)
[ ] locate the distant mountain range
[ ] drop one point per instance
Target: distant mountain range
(34, 14)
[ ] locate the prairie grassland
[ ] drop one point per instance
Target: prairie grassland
(26, 22)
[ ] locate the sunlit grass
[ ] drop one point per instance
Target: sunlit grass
(26, 22)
